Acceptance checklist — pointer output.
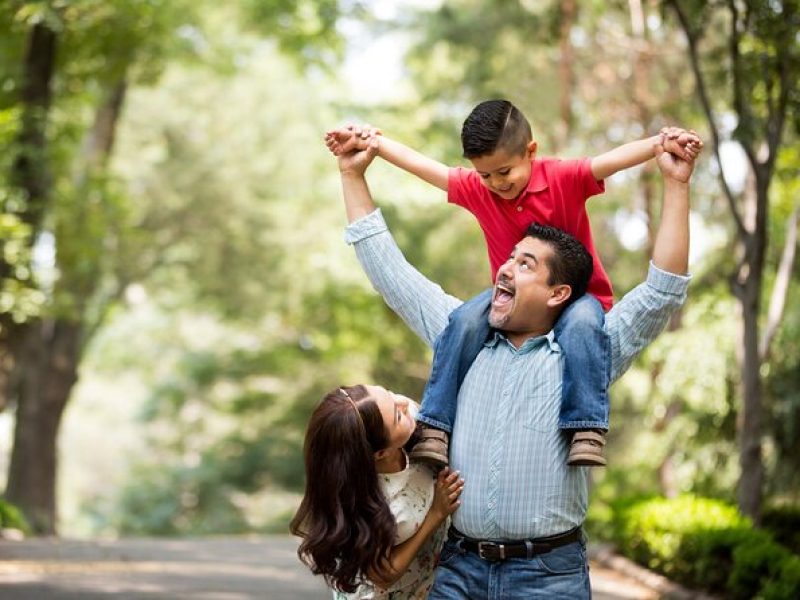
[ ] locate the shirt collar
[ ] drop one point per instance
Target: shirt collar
(496, 336)
(538, 181)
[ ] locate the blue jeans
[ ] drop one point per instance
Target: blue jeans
(561, 573)
(587, 363)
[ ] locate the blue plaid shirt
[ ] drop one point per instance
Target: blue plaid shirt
(506, 441)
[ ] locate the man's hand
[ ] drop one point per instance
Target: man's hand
(674, 166)
(357, 161)
(350, 137)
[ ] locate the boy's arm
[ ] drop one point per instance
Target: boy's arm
(351, 137)
(685, 144)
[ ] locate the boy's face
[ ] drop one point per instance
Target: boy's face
(505, 174)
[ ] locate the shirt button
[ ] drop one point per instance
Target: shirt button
(519, 209)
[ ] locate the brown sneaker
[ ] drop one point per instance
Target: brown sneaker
(431, 447)
(586, 449)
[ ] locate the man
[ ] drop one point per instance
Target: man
(518, 531)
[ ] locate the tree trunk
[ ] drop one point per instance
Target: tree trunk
(566, 70)
(747, 288)
(750, 424)
(29, 170)
(47, 359)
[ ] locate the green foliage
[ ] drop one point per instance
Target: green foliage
(306, 29)
(705, 544)
(219, 216)
(652, 531)
(12, 518)
(783, 522)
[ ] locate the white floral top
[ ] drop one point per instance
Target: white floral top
(409, 494)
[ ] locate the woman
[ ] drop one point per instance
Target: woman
(371, 522)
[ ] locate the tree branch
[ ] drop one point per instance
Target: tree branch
(701, 91)
(777, 301)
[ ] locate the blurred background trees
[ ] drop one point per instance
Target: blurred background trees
(176, 295)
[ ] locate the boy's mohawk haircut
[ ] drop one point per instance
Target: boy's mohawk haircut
(495, 124)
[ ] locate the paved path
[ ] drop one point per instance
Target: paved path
(227, 568)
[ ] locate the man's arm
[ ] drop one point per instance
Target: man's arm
(422, 304)
(353, 137)
(643, 313)
(685, 144)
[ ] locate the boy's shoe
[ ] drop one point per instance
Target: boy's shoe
(586, 449)
(431, 447)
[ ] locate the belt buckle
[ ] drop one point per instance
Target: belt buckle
(484, 545)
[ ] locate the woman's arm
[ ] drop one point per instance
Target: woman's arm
(445, 502)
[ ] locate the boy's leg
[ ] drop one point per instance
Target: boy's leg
(454, 351)
(587, 370)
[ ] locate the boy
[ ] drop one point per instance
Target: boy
(508, 189)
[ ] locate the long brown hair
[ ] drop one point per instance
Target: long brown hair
(344, 520)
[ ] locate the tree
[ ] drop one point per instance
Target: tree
(69, 196)
(753, 54)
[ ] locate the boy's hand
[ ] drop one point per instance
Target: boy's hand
(349, 138)
(673, 166)
(685, 144)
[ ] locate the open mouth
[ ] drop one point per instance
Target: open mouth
(503, 294)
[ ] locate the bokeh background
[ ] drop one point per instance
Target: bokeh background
(177, 296)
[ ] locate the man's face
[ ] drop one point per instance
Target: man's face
(522, 294)
(505, 174)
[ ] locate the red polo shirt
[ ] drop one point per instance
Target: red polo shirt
(556, 195)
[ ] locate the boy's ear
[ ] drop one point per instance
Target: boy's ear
(532, 147)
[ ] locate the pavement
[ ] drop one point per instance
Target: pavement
(225, 568)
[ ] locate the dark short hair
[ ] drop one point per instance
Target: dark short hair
(570, 264)
(495, 124)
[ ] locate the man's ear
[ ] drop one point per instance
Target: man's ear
(531, 148)
(559, 294)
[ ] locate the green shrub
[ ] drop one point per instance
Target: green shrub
(705, 558)
(787, 584)
(652, 531)
(706, 544)
(784, 523)
(754, 565)
(12, 518)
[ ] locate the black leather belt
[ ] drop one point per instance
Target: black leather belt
(493, 551)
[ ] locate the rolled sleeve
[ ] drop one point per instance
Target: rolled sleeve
(365, 227)
(634, 322)
(666, 282)
(421, 303)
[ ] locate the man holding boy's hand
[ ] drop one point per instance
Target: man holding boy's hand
(518, 533)
(508, 189)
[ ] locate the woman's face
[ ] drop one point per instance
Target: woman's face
(396, 412)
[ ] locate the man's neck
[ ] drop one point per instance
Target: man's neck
(519, 338)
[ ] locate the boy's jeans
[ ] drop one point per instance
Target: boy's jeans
(587, 365)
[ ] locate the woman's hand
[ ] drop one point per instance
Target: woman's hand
(447, 490)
